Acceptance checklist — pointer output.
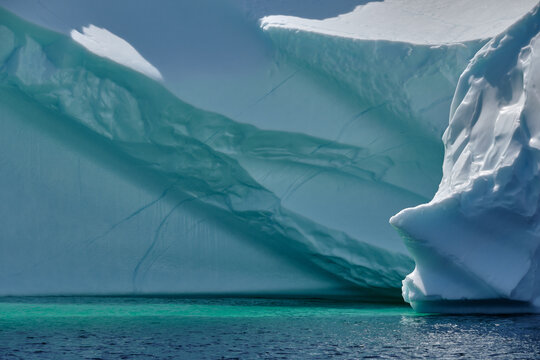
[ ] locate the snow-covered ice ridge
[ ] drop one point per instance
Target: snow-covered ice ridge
(420, 22)
(477, 243)
(104, 43)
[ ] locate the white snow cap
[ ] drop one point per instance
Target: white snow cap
(414, 21)
(104, 43)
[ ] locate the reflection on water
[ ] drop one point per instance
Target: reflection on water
(172, 328)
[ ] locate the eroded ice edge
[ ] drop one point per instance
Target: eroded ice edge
(477, 243)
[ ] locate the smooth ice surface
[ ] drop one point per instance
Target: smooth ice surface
(477, 243)
(104, 43)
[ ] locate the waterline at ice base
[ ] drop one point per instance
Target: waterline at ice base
(240, 148)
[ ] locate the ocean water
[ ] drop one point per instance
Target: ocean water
(177, 328)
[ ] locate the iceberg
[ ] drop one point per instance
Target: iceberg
(477, 243)
(236, 155)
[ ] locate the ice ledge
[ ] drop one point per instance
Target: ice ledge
(415, 21)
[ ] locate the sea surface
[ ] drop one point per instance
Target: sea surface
(178, 328)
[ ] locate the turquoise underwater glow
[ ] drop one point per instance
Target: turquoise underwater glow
(172, 328)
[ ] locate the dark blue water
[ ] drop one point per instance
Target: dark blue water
(165, 328)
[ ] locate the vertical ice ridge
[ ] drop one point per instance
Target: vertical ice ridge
(483, 222)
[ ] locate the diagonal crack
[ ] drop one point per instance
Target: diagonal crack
(155, 240)
(357, 117)
(354, 118)
(152, 261)
(90, 241)
(283, 82)
(299, 182)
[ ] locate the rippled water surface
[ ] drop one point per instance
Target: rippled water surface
(171, 328)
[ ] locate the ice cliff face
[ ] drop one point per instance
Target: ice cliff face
(477, 243)
(314, 134)
(126, 184)
(409, 61)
